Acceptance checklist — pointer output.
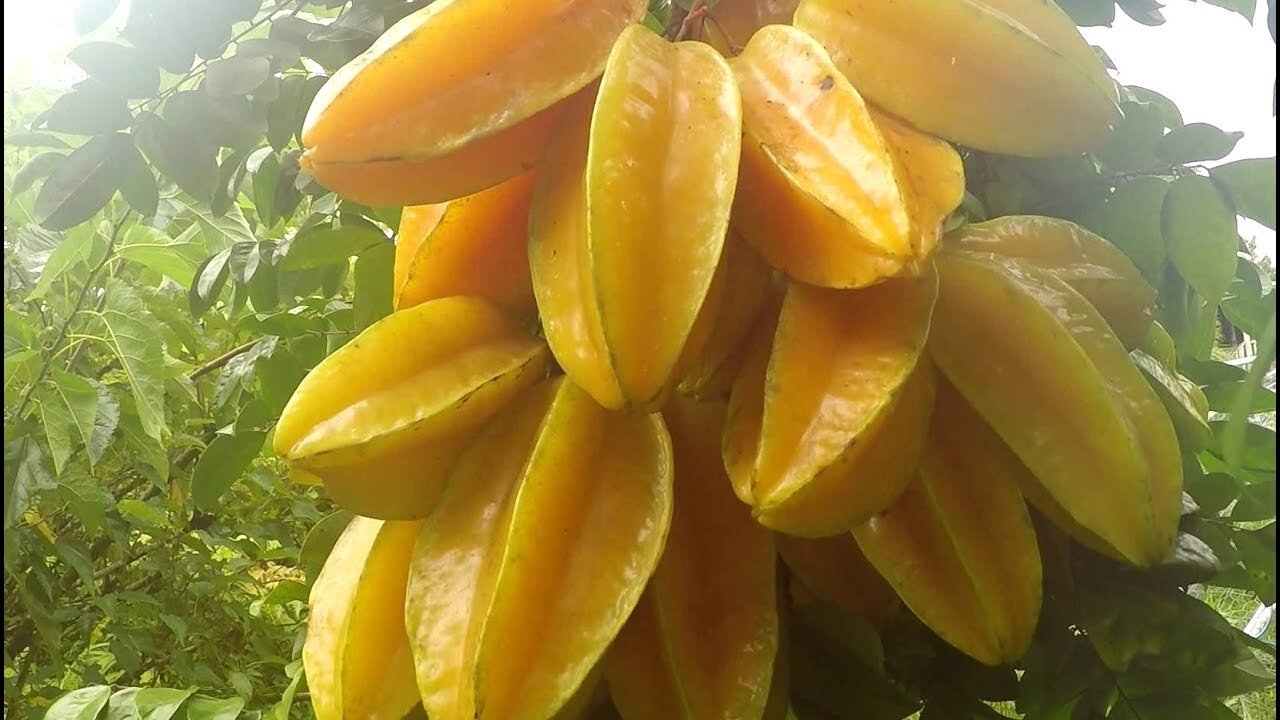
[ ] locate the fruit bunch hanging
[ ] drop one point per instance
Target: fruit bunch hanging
(678, 326)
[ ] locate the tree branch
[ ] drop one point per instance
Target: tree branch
(75, 310)
(222, 359)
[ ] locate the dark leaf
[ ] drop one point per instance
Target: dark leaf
(35, 139)
(82, 184)
(1196, 142)
(1090, 13)
(37, 167)
(90, 109)
(126, 71)
(90, 14)
(320, 541)
(1130, 219)
(320, 247)
(182, 156)
(1146, 12)
(282, 54)
(226, 459)
(25, 474)
(372, 300)
(231, 122)
(210, 278)
(137, 183)
(237, 75)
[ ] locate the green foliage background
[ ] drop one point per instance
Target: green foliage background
(170, 275)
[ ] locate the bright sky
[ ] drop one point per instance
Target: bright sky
(1215, 65)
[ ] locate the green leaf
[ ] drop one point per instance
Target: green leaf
(1258, 451)
(90, 109)
(238, 75)
(131, 335)
(203, 707)
(24, 474)
(226, 459)
(173, 257)
(143, 513)
(1245, 8)
(278, 375)
(264, 189)
(1201, 234)
(37, 167)
(1188, 420)
(1087, 13)
(82, 704)
(121, 706)
(1170, 115)
(286, 112)
(221, 231)
(127, 71)
(1196, 142)
(76, 248)
(1133, 144)
(68, 415)
(105, 421)
(82, 184)
(36, 139)
(286, 591)
(209, 280)
(320, 541)
(137, 183)
(329, 246)
(280, 711)
(181, 155)
(1251, 184)
(160, 703)
(372, 300)
(1130, 219)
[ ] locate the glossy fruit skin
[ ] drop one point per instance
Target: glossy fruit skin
(1005, 76)
(834, 570)
(1092, 266)
(381, 420)
(1063, 394)
(435, 110)
(820, 194)
(741, 290)
(623, 251)
(474, 245)
(559, 511)
(356, 653)
(958, 545)
(828, 413)
(703, 641)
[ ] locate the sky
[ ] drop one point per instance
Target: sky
(1215, 66)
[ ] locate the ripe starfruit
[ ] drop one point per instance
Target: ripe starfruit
(381, 420)
(701, 644)
(744, 285)
(1092, 266)
(357, 653)
(456, 97)
(1006, 76)
(1044, 369)
(552, 523)
(623, 249)
(834, 570)
(474, 245)
(958, 546)
(828, 413)
(820, 194)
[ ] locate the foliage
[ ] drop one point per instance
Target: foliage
(171, 274)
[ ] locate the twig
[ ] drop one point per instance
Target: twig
(137, 555)
(75, 310)
(222, 359)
